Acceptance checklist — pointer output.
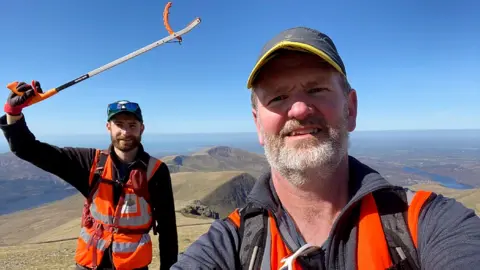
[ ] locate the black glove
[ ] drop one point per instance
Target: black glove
(16, 103)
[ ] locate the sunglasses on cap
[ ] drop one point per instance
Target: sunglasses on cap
(124, 106)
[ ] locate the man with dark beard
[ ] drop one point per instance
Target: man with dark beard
(127, 191)
(318, 207)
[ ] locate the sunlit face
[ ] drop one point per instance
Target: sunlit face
(303, 117)
(125, 131)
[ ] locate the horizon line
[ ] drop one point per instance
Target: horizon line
(254, 132)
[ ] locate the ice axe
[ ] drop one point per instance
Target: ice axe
(173, 35)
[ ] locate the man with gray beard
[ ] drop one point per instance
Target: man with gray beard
(316, 160)
(318, 207)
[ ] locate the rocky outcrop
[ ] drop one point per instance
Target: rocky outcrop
(196, 208)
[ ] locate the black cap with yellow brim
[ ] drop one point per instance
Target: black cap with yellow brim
(299, 39)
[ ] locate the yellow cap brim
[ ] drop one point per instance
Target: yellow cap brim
(293, 46)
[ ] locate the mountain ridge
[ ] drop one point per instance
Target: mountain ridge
(218, 158)
(26, 186)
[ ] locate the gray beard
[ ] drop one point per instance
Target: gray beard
(311, 161)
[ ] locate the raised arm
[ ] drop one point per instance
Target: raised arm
(69, 163)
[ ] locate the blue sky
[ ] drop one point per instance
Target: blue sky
(415, 64)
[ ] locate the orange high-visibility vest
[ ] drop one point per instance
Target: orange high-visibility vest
(125, 227)
(372, 249)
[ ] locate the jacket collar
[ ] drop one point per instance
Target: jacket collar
(362, 181)
(140, 161)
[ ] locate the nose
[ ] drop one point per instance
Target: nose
(300, 110)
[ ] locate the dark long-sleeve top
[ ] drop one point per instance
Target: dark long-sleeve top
(72, 164)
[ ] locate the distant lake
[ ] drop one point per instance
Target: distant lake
(26, 194)
(445, 181)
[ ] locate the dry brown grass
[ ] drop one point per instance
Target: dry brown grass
(62, 217)
(469, 197)
(48, 237)
(59, 254)
(188, 186)
(45, 237)
(18, 227)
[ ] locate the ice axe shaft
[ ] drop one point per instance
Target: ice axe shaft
(173, 35)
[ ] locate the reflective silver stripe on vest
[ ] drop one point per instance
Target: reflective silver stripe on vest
(143, 219)
(410, 195)
(86, 237)
(151, 165)
(97, 215)
(122, 247)
(129, 206)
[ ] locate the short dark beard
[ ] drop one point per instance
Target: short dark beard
(127, 148)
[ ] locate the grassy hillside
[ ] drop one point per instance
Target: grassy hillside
(18, 227)
(469, 197)
(45, 237)
(56, 251)
(189, 186)
(60, 219)
(53, 247)
(229, 195)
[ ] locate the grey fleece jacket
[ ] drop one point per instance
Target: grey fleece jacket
(448, 234)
